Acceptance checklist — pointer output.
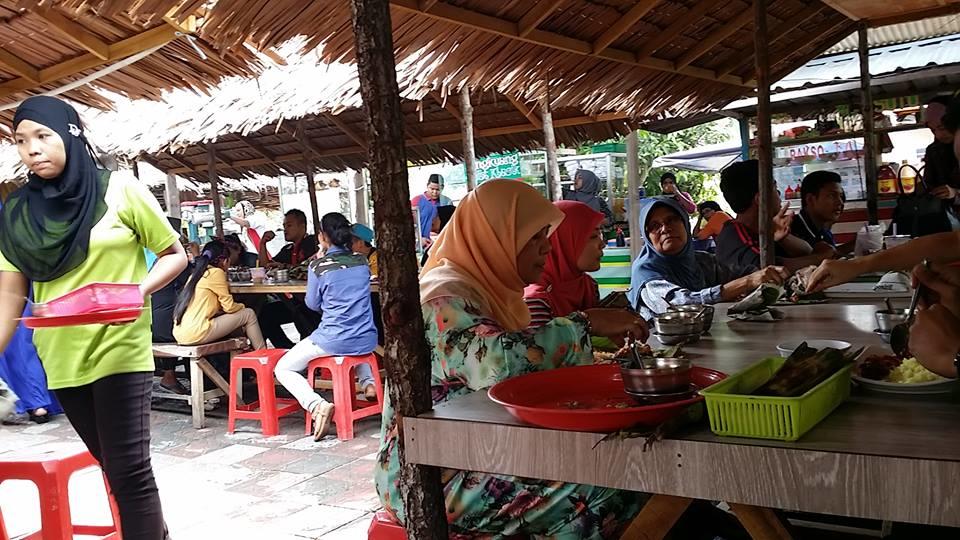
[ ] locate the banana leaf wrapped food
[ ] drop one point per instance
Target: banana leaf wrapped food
(805, 368)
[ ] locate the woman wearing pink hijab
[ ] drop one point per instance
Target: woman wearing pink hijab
(577, 247)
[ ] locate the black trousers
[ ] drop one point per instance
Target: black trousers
(275, 314)
(112, 417)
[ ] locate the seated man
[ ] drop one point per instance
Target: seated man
(363, 244)
(301, 248)
(239, 256)
(738, 245)
(822, 199)
(712, 218)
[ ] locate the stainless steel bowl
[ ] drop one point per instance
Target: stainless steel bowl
(676, 324)
(282, 276)
(697, 309)
(678, 339)
(670, 375)
(887, 319)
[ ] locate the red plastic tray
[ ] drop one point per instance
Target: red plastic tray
(93, 298)
(116, 316)
(587, 398)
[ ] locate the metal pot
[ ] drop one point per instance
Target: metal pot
(681, 339)
(281, 276)
(887, 319)
(697, 309)
(670, 375)
(676, 324)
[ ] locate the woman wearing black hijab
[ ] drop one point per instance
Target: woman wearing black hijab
(74, 224)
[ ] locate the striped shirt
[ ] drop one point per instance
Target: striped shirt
(738, 247)
(540, 312)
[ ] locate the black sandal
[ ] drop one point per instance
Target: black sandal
(39, 418)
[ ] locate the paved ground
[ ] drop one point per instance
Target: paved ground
(214, 485)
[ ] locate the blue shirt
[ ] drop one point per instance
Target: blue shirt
(338, 286)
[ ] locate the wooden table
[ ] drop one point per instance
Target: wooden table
(290, 287)
(878, 457)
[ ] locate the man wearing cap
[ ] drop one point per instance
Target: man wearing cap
(363, 244)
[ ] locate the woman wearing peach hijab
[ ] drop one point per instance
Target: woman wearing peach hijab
(476, 319)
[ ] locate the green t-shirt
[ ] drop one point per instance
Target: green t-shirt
(79, 355)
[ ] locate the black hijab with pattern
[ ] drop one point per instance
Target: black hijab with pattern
(45, 225)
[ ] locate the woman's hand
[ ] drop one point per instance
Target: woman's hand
(935, 340)
(771, 274)
(832, 272)
(782, 222)
(617, 324)
(942, 283)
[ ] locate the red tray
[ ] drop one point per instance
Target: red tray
(116, 316)
(587, 398)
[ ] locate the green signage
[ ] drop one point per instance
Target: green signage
(498, 166)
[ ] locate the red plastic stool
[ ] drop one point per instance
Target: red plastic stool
(268, 408)
(347, 408)
(384, 527)
(50, 470)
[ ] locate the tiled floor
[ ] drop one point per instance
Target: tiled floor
(215, 485)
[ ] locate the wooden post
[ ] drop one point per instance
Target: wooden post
(744, 123)
(764, 138)
(869, 136)
(406, 353)
(360, 198)
(172, 195)
(466, 132)
(312, 189)
(554, 188)
(215, 190)
(633, 195)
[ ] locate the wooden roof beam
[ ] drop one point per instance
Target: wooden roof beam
(529, 22)
(19, 66)
(448, 105)
(627, 20)
(715, 37)
(255, 146)
(143, 41)
(300, 135)
(425, 5)
(427, 140)
(682, 21)
(346, 129)
(187, 166)
(940, 11)
(531, 114)
(479, 21)
(75, 32)
(742, 57)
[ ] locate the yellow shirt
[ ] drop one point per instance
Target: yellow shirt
(212, 297)
(372, 261)
(78, 355)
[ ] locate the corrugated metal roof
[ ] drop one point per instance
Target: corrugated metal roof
(902, 33)
(884, 60)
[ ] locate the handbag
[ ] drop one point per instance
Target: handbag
(919, 213)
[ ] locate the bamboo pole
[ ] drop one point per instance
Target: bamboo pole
(764, 138)
(172, 195)
(406, 353)
(312, 190)
(869, 136)
(466, 129)
(554, 188)
(633, 194)
(215, 190)
(359, 192)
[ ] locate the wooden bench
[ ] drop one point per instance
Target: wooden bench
(199, 366)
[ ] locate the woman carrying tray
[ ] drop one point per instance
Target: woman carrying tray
(73, 224)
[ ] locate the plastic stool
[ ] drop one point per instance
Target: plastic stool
(347, 408)
(384, 527)
(268, 408)
(50, 470)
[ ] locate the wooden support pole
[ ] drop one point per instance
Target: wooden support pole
(466, 128)
(312, 192)
(633, 194)
(406, 353)
(215, 190)
(554, 188)
(359, 195)
(764, 138)
(869, 136)
(172, 196)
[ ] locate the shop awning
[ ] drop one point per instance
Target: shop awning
(709, 158)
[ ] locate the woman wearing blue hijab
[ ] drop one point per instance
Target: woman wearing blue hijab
(670, 272)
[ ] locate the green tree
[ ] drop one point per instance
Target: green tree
(653, 145)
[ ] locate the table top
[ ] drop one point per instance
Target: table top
(290, 287)
(872, 457)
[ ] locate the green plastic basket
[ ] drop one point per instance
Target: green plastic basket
(734, 412)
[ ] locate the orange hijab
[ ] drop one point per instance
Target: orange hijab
(475, 257)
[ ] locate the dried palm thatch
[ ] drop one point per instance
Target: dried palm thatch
(307, 109)
(46, 49)
(646, 58)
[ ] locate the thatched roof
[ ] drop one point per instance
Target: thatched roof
(642, 57)
(44, 49)
(270, 124)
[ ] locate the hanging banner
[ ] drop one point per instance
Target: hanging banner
(498, 166)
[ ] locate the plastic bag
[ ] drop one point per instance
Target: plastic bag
(8, 400)
(869, 240)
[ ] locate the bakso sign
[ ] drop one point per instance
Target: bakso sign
(498, 166)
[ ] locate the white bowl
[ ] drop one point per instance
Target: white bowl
(786, 349)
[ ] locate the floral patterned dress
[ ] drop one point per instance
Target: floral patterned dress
(471, 353)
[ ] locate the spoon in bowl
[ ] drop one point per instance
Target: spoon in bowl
(900, 334)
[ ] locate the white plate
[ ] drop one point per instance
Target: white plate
(945, 386)
(785, 349)
(863, 290)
